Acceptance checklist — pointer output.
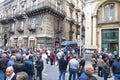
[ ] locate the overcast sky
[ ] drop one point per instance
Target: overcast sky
(1, 1)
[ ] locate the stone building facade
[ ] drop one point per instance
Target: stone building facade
(38, 23)
(103, 25)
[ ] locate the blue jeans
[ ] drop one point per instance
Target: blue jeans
(30, 77)
(39, 74)
(105, 75)
(73, 72)
(62, 74)
(116, 76)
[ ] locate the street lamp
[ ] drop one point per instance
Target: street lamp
(81, 25)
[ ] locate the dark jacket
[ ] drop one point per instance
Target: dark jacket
(29, 67)
(39, 65)
(62, 64)
(13, 78)
(18, 67)
(116, 67)
(106, 68)
(3, 63)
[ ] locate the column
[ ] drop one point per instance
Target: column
(119, 43)
(94, 32)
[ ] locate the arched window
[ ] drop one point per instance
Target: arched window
(109, 13)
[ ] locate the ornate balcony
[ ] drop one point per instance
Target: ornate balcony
(71, 20)
(45, 7)
(77, 9)
(72, 31)
(32, 28)
(11, 31)
(71, 3)
(108, 20)
(58, 31)
(20, 30)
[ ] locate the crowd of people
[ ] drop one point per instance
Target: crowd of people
(27, 64)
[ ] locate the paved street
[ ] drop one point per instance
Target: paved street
(51, 73)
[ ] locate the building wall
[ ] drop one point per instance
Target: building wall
(96, 23)
(47, 25)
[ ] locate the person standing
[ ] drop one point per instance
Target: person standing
(106, 68)
(39, 66)
(116, 69)
(73, 67)
(89, 70)
(29, 67)
(22, 76)
(100, 63)
(62, 67)
(81, 66)
(10, 75)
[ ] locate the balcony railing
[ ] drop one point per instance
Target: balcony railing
(20, 29)
(70, 19)
(71, 2)
(58, 30)
(77, 9)
(108, 20)
(32, 27)
(46, 4)
(11, 31)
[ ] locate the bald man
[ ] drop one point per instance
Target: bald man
(89, 70)
(10, 75)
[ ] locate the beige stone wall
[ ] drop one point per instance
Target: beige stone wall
(95, 23)
(46, 24)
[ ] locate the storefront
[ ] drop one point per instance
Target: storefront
(110, 40)
(20, 41)
(32, 42)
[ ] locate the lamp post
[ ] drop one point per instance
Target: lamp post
(81, 25)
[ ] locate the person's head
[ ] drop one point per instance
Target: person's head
(89, 69)
(106, 60)
(13, 58)
(30, 57)
(92, 78)
(118, 59)
(9, 71)
(22, 76)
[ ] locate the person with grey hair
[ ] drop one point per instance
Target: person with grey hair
(10, 74)
(12, 60)
(22, 76)
(89, 70)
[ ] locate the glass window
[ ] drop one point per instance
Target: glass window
(33, 20)
(12, 26)
(109, 12)
(34, 4)
(22, 25)
(110, 39)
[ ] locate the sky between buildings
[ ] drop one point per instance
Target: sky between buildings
(1, 1)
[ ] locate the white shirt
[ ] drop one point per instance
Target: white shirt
(74, 64)
(10, 77)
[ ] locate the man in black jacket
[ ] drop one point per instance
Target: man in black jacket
(39, 66)
(62, 67)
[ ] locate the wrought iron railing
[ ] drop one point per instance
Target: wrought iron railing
(46, 4)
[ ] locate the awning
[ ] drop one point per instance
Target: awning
(32, 38)
(20, 38)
